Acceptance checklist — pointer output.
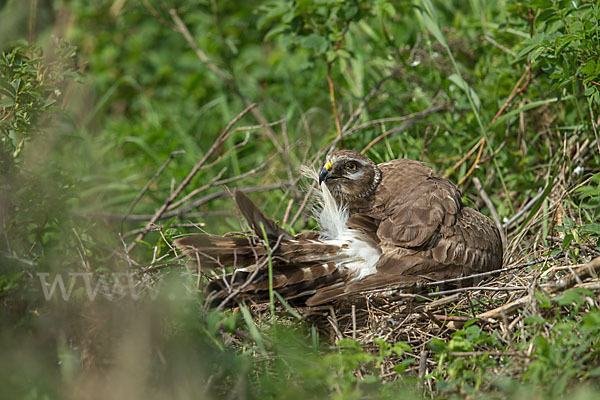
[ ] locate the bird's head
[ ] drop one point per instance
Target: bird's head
(349, 175)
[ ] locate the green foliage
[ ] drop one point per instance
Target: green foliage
(30, 84)
(588, 197)
(146, 93)
(555, 349)
(565, 44)
(464, 374)
(318, 26)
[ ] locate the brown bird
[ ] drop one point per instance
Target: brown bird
(394, 224)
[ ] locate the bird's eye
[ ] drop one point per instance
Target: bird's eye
(351, 166)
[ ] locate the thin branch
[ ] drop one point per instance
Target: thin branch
(517, 89)
(156, 228)
(252, 275)
(182, 212)
(367, 98)
(182, 28)
(518, 215)
(218, 195)
(475, 164)
(492, 208)
(410, 120)
(145, 188)
(217, 143)
(488, 288)
(333, 104)
(303, 205)
(495, 272)
(588, 270)
(464, 158)
(386, 134)
(225, 77)
(581, 246)
(213, 182)
(243, 128)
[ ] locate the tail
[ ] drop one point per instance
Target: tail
(301, 265)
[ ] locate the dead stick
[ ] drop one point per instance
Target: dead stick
(354, 321)
(496, 272)
(332, 100)
(217, 143)
(145, 188)
(464, 158)
(304, 201)
(581, 246)
(516, 90)
(226, 78)
(518, 215)
(475, 164)
(385, 134)
(486, 288)
(586, 271)
(368, 97)
(405, 125)
(422, 367)
(183, 212)
(492, 209)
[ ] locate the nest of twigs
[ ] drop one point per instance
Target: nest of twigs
(495, 301)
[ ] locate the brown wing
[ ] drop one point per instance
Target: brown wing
(376, 281)
(415, 220)
(365, 224)
(430, 234)
(469, 246)
(427, 233)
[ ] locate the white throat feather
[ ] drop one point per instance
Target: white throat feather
(358, 253)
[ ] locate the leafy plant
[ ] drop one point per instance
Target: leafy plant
(30, 85)
(565, 44)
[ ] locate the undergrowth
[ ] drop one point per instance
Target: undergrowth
(106, 107)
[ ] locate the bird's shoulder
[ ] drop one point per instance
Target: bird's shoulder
(399, 178)
(410, 204)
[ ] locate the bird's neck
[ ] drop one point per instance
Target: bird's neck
(351, 201)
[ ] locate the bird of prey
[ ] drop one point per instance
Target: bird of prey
(394, 224)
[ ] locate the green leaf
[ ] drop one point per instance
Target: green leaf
(544, 301)
(401, 367)
(7, 87)
(462, 84)
(524, 51)
(389, 9)
(500, 121)
(7, 102)
(433, 28)
(542, 4)
(287, 306)
(275, 32)
(591, 228)
(315, 42)
(48, 103)
(589, 68)
(534, 319)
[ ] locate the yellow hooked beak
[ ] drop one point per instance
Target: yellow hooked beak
(325, 174)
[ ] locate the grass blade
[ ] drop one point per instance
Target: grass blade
(287, 306)
(270, 262)
(253, 329)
